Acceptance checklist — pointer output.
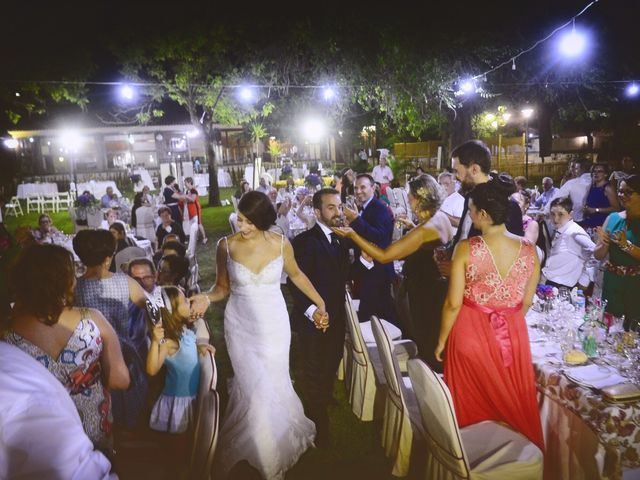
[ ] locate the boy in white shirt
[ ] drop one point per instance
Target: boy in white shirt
(571, 247)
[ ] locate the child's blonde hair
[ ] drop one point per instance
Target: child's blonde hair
(172, 322)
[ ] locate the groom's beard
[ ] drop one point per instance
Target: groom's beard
(331, 222)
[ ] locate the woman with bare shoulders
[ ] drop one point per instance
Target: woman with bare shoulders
(487, 361)
(264, 424)
(77, 345)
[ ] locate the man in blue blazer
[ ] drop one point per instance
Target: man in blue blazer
(375, 224)
(324, 258)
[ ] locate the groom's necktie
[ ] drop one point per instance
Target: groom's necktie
(335, 244)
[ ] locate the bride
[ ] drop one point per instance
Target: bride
(264, 423)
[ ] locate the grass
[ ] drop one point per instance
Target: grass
(355, 451)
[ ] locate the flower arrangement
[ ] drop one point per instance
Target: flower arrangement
(545, 292)
(85, 203)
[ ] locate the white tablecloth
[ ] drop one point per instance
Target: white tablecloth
(98, 189)
(26, 190)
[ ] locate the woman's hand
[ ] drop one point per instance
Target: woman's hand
(438, 351)
(603, 236)
(199, 305)
(157, 335)
(203, 348)
(321, 319)
(345, 232)
(620, 238)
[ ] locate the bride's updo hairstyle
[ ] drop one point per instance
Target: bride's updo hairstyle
(493, 198)
(428, 192)
(258, 209)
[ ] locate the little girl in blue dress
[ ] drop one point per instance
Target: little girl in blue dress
(174, 345)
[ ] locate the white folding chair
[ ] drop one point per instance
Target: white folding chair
(34, 203)
(234, 200)
(64, 200)
(207, 421)
(483, 451)
(49, 203)
(13, 208)
(401, 421)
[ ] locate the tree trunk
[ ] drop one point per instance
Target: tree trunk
(214, 190)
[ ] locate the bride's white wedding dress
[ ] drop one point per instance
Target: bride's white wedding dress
(264, 423)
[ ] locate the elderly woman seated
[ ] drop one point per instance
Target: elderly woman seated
(45, 231)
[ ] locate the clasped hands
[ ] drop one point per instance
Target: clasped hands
(321, 319)
(619, 238)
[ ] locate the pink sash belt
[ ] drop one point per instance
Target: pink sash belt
(498, 320)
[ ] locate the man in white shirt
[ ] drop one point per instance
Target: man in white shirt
(571, 247)
(382, 174)
(454, 203)
(576, 189)
(41, 435)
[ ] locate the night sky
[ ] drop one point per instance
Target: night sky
(48, 41)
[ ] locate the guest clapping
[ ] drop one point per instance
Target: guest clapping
(620, 239)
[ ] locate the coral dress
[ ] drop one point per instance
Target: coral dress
(488, 360)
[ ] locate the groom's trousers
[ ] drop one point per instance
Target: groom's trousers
(321, 354)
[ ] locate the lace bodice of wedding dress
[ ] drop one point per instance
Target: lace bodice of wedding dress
(264, 423)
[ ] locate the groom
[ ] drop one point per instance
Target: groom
(324, 259)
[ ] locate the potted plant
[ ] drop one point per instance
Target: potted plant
(85, 205)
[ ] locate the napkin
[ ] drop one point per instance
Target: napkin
(595, 376)
(542, 350)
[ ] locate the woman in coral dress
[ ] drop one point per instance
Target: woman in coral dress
(488, 358)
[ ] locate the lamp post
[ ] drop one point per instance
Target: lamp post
(526, 113)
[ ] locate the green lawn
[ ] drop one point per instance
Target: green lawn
(356, 452)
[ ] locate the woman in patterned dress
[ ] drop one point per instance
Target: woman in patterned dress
(488, 358)
(78, 346)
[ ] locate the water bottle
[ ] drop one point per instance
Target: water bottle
(580, 304)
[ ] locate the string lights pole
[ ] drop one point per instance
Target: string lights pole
(526, 113)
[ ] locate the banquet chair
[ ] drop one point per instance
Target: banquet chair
(401, 423)
(49, 203)
(34, 202)
(207, 420)
(483, 451)
(13, 207)
(64, 200)
(365, 373)
(232, 222)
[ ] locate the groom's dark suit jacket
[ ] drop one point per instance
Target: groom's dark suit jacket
(327, 270)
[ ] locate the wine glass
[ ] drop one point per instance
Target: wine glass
(441, 254)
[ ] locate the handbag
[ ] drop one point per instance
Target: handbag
(621, 393)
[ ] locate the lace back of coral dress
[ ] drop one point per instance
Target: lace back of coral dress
(485, 286)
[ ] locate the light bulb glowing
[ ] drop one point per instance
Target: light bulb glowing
(633, 90)
(328, 93)
(246, 94)
(127, 92)
(11, 143)
(573, 44)
(527, 112)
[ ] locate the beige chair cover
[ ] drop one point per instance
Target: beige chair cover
(486, 450)
(401, 416)
(362, 384)
(207, 420)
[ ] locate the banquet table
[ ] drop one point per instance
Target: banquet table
(26, 190)
(585, 436)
